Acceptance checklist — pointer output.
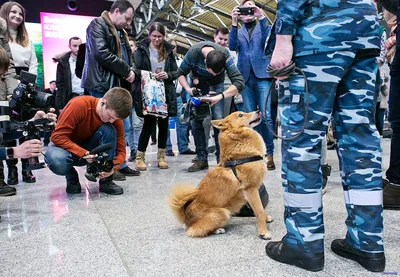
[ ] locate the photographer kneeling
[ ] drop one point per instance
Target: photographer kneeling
(85, 123)
(207, 63)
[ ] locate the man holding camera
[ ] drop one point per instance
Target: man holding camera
(207, 63)
(249, 42)
(85, 123)
(28, 149)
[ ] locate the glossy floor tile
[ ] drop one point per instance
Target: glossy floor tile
(46, 232)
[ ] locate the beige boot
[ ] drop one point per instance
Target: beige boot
(140, 161)
(161, 159)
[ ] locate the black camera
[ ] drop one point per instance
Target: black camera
(100, 163)
(195, 108)
(27, 99)
(16, 113)
(246, 10)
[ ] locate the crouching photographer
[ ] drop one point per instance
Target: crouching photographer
(208, 62)
(87, 127)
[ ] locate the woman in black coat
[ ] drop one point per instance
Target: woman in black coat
(154, 54)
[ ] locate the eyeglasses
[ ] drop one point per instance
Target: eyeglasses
(157, 37)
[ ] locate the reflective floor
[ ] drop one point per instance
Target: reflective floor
(45, 232)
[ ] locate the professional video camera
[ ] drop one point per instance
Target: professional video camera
(100, 163)
(25, 102)
(195, 108)
(27, 99)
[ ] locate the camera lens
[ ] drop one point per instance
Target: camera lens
(42, 100)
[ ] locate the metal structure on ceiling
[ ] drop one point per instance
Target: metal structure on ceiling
(190, 21)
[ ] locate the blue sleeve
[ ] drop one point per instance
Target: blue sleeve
(233, 73)
(265, 29)
(288, 15)
(233, 39)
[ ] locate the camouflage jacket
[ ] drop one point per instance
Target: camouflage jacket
(328, 25)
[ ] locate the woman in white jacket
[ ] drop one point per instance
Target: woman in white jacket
(21, 46)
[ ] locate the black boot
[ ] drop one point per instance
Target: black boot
(5, 190)
(109, 187)
(12, 178)
(326, 172)
(27, 175)
(278, 251)
(374, 262)
(198, 165)
(391, 196)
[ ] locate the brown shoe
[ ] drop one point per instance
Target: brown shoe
(161, 159)
(198, 165)
(270, 163)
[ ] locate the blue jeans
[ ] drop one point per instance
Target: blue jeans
(62, 162)
(255, 98)
(133, 127)
(181, 129)
(96, 94)
(198, 129)
(393, 172)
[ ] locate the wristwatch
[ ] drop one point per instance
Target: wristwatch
(10, 153)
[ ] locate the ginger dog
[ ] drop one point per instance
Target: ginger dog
(207, 208)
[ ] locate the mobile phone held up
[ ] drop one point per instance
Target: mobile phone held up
(159, 69)
(246, 10)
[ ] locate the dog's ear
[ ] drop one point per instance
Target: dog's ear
(218, 123)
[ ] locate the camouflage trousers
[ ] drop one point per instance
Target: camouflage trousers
(341, 84)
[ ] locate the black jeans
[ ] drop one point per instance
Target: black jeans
(393, 172)
(148, 125)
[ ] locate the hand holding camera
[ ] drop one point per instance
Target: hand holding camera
(28, 149)
(99, 166)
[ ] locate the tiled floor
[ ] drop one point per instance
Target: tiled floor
(45, 232)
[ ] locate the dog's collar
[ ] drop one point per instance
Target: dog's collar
(242, 161)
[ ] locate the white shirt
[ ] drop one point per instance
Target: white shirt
(23, 56)
(75, 81)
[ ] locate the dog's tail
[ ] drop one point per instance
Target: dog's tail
(178, 199)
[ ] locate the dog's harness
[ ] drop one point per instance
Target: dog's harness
(234, 163)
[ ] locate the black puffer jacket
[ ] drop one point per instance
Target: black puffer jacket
(104, 56)
(142, 62)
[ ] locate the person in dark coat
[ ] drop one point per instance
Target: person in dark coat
(155, 54)
(68, 84)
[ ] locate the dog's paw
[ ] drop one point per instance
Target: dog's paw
(266, 236)
(219, 231)
(269, 219)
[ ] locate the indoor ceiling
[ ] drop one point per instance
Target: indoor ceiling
(191, 21)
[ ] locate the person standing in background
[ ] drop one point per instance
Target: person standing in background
(155, 54)
(21, 46)
(23, 52)
(249, 43)
(68, 84)
(133, 124)
(108, 59)
(181, 127)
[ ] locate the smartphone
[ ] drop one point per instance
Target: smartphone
(246, 10)
(159, 69)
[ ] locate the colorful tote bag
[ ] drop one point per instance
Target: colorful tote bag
(153, 93)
